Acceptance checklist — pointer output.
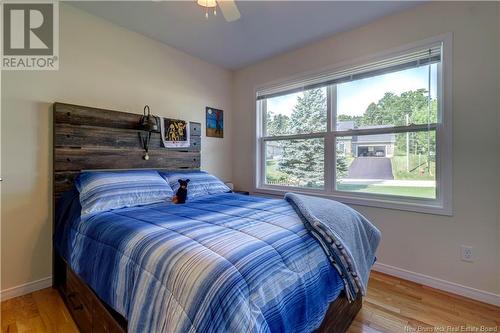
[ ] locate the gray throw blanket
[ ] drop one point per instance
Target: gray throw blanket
(347, 237)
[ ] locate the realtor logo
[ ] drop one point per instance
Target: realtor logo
(30, 36)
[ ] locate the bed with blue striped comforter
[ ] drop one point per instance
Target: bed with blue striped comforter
(220, 263)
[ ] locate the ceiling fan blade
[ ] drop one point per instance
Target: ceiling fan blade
(229, 10)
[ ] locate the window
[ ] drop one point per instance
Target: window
(373, 134)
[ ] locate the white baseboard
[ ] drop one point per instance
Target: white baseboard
(451, 287)
(26, 288)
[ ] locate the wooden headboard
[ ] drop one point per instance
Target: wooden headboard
(88, 138)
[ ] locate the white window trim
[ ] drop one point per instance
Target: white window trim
(444, 172)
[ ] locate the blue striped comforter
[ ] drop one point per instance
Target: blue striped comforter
(220, 263)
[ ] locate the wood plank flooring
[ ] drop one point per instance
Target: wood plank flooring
(396, 305)
(41, 311)
(392, 305)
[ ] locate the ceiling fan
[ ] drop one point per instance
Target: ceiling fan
(227, 7)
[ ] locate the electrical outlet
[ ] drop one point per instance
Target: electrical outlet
(466, 253)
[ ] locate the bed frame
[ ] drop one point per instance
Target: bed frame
(86, 138)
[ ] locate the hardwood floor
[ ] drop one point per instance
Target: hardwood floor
(392, 305)
(396, 305)
(41, 311)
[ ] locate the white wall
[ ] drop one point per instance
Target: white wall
(498, 147)
(421, 243)
(105, 66)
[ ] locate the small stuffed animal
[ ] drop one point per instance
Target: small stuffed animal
(181, 194)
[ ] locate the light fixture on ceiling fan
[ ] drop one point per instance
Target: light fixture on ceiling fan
(227, 7)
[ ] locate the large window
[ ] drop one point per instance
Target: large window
(370, 134)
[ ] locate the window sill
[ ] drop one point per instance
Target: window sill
(384, 202)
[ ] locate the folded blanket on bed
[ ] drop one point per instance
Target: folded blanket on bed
(347, 237)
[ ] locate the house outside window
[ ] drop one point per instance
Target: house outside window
(376, 133)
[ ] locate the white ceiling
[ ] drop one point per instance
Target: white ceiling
(266, 28)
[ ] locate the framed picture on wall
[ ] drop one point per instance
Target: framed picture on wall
(215, 122)
(174, 133)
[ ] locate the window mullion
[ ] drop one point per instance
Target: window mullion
(330, 151)
(387, 130)
(263, 114)
(261, 153)
(294, 137)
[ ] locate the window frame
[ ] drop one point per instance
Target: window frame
(442, 205)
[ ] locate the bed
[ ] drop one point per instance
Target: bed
(222, 262)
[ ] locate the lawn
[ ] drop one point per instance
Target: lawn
(409, 191)
(420, 173)
(274, 176)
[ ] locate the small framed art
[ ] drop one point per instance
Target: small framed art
(215, 122)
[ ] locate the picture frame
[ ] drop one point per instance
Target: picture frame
(214, 122)
(175, 133)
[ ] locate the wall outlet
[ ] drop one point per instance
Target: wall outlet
(466, 253)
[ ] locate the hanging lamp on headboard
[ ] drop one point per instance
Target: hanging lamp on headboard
(148, 124)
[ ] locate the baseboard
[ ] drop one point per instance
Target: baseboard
(451, 287)
(26, 288)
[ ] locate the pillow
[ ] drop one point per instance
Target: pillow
(201, 183)
(103, 191)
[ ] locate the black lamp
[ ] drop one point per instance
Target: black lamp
(148, 124)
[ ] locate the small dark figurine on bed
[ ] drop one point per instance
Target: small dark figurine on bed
(181, 194)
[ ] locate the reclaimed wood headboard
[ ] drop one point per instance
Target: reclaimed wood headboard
(88, 138)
